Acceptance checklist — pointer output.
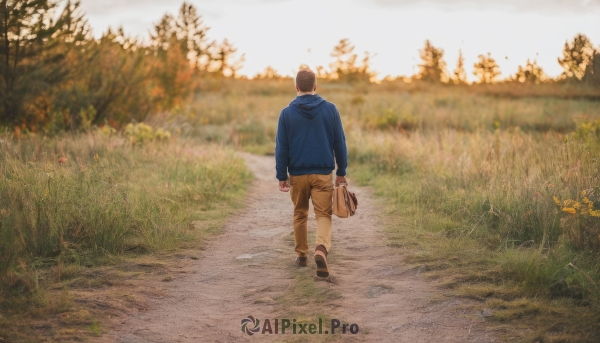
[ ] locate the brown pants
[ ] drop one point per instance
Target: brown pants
(320, 189)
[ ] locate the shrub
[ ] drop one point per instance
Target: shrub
(141, 133)
(581, 219)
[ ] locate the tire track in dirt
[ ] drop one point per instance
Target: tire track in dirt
(246, 269)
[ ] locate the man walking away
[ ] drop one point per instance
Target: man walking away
(310, 140)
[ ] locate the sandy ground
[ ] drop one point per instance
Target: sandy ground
(248, 269)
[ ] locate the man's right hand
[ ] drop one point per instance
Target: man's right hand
(284, 186)
(340, 179)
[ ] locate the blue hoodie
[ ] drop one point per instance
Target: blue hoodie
(309, 133)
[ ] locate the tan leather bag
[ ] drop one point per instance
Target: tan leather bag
(344, 201)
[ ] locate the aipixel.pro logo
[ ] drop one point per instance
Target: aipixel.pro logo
(252, 325)
(250, 322)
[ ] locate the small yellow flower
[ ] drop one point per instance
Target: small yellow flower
(96, 159)
(570, 210)
(556, 200)
(595, 213)
(583, 194)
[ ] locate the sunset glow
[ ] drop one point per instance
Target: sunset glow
(285, 34)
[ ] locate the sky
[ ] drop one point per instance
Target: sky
(286, 33)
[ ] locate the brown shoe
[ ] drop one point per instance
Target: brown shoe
(301, 261)
(321, 261)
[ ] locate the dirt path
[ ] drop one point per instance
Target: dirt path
(248, 270)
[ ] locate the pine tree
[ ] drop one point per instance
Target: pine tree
(486, 69)
(187, 30)
(108, 81)
(433, 67)
(592, 72)
(531, 73)
(33, 47)
(576, 55)
(345, 58)
(345, 67)
(460, 75)
(192, 33)
(222, 59)
(163, 33)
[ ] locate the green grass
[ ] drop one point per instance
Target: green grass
(487, 227)
(95, 328)
(238, 116)
(469, 181)
(72, 203)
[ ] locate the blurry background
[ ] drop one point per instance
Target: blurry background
(286, 33)
(478, 123)
(121, 61)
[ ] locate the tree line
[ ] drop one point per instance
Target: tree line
(54, 75)
(580, 62)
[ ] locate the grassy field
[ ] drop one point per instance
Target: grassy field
(477, 210)
(497, 196)
(493, 192)
(73, 204)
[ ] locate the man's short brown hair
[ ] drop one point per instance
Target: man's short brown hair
(306, 80)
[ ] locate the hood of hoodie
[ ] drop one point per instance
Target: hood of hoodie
(308, 105)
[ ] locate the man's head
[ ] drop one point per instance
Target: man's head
(306, 82)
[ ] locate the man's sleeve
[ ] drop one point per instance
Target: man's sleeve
(339, 145)
(282, 149)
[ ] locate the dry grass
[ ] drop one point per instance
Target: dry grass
(476, 210)
(469, 175)
(75, 209)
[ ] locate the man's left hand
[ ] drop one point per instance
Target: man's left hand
(340, 179)
(284, 186)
